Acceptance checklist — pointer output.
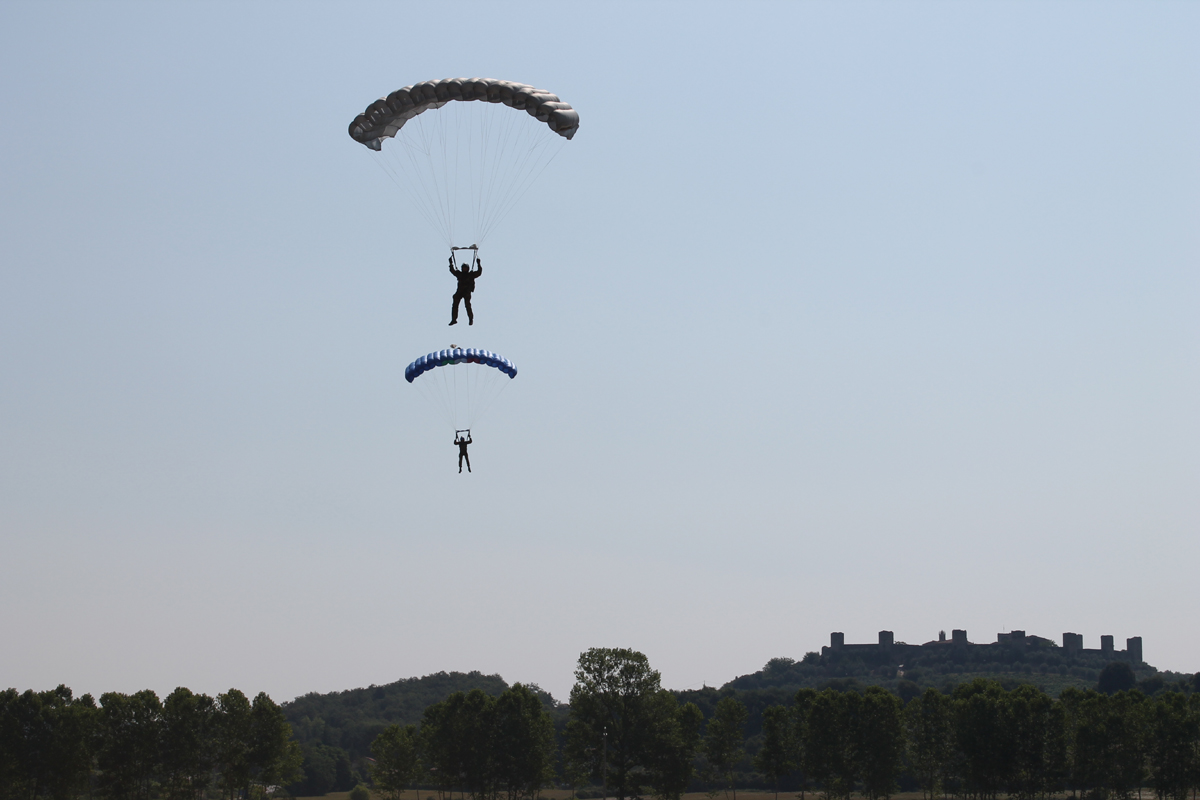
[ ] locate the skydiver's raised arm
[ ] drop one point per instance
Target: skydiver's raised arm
(478, 267)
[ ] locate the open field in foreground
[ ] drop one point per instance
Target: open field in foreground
(565, 794)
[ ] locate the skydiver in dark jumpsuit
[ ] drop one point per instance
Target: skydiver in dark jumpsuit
(466, 285)
(462, 449)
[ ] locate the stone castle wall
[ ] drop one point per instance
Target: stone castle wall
(1072, 644)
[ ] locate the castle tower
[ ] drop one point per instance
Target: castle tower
(836, 640)
(886, 638)
(958, 638)
(1072, 643)
(1106, 646)
(1133, 648)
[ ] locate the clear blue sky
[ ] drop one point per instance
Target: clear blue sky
(833, 316)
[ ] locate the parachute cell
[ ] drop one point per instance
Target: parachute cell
(387, 115)
(459, 355)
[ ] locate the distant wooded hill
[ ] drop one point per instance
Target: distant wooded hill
(1042, 664)
(351, 719)
(341, 725)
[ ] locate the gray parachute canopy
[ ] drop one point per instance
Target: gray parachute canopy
(387, 115)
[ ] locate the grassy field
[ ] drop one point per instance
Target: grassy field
(564, 794)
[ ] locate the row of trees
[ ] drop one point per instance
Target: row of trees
(622, 730)
(57, 746)
(982, 741)
(625, 731)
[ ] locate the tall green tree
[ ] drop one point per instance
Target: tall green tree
(670, 763)
(233, 742)
(929, 740)
(1073, 703)
(186, 746)
(800, 708)
(1174, 745)
(397, 760)
(524, 744)
(275, 758)
(777, 756)
(457, 737)
(10, 735)
(828, 753)
(129, 758)
(253, 744)
(879, 742)
(130, 730)
(1035, 731)
(725, 739)
(46, 743)
(1125, 720)
(982, 737)
(478, 732)
(615, 713)
(442, 743)
(1106, 741)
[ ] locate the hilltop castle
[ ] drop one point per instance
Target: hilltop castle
(1072, 644)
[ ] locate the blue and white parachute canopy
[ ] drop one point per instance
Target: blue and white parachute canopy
(458, 355)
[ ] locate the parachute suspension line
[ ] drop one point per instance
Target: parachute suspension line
(502, 173)
(492, 397)
(448, 193)
(406, 186)
(466, 391)
(481, 128)
(518, 190)
(511, 177)
(493, 167)
(490, 163)
(415, 148)
(406, 163)
(454, 380)
(462, 152)
(438, 394)
(428, 131)
(474, 170)
(457, 119)
(450, 383)
(485, 142)
(448, 400)
(437, 398)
